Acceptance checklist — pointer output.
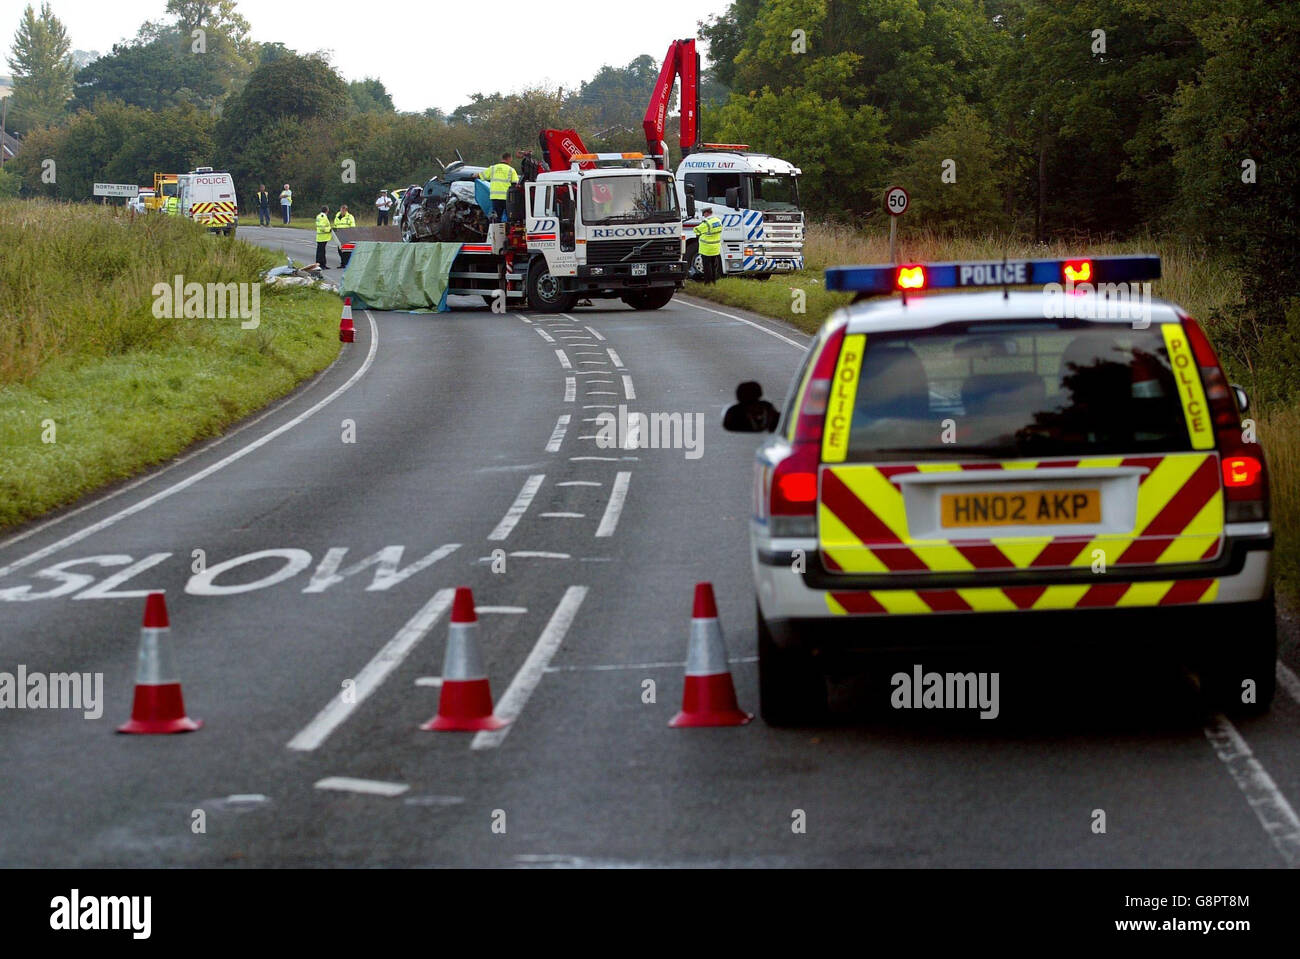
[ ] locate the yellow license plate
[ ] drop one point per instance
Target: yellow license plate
(1026, 508)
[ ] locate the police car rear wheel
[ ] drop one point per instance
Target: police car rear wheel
(544, 292)
(1240, 658)
(791, 689)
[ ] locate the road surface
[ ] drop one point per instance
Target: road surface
(437, 440)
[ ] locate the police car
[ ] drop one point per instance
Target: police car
(1065, 463)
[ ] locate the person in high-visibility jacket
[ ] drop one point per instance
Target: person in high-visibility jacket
(342, 220)
(323, 233)
(173, 205)
(501, 176)
(709, 230)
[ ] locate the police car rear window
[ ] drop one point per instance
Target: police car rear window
(984, 390)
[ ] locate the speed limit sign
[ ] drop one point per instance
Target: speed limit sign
(896, 200)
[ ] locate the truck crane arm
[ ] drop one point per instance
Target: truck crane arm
(682, 61)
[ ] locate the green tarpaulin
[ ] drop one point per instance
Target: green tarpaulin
(400, 276)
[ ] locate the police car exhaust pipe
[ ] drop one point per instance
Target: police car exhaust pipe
(709, 697)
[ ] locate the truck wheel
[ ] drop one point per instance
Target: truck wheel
(544, 292)
(1245, 654)
(649, 299)
(791, 690)
(694, 262)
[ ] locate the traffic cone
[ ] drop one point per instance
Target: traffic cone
(347, 332)
(709, 698)
(159, 706)
(465, 703)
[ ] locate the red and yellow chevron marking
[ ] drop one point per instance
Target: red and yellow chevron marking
(862, 520)
(985, 599)
(222, 206)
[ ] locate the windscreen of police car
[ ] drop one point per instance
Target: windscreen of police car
(1051, 388)
(629, 199)
(773, 194)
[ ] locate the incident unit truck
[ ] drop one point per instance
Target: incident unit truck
(754, 194)
(592, 226)
(207, 197)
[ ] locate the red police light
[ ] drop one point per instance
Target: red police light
(1078, 271)
(798, 487)
(1241, 470)
(911, 278)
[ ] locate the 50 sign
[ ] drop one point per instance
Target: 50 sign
(896, 201)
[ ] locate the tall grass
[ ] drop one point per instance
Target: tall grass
(76, 280)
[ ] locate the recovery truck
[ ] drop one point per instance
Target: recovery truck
(581, 226)
(756, 195)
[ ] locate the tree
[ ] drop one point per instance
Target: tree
(955, 175)
(42, 69)
(370, 96)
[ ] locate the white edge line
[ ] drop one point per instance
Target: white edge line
(530, 673)
(757, 326)
(564, 360)
(594, 333)
(518, 507)
(373, 673)
(1288, 680)
(614, 508)
(1270, 806)
(557, 435)
(627, 388)
(370, 787)
(162, 494)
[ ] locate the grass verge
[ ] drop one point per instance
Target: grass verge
(94, 387)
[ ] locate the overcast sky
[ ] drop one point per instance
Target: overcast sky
(426, 53)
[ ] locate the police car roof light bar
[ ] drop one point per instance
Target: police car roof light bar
(884, 279)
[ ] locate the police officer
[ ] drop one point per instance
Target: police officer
(173, 205)
(263, 206)
(323, 234)
(384, 204)
(500, 176)
(342, 220)
(709, 230)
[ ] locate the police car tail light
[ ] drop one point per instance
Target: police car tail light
(792, 492)
(1245, 476)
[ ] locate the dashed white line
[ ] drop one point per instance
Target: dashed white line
(373, 673)
(578, 483)
(621, 666)
(627, 388)
(1271, 807)
(538, 553)
(615, 358)
(593, 459)
(757, 326)
(614, 508)
(564, 360)
(594, 333)
(570, 389)
(571, 319)
(562, 515)
(601, 393)
(506, 610)
(530, 673)
(544, 335)
(518, 507)
(369, 787)
(598, 406)
(189, 481)
(557, 435)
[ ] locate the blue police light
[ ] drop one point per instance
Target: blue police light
(883, 279)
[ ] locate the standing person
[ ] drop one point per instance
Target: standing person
(709, 230)
(263, 206)
(323, 234)
(342, 220)
(286, 202)
(500, 176)
(384, 204)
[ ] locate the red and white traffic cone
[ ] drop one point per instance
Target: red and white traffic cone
(347, 332)
(709, 698)
(465, 703)
(159, 706)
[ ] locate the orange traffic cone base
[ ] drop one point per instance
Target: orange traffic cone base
(710, 701)
(154, 702)
(464, 706)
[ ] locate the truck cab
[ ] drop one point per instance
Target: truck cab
(757, 198)
(609, 227)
